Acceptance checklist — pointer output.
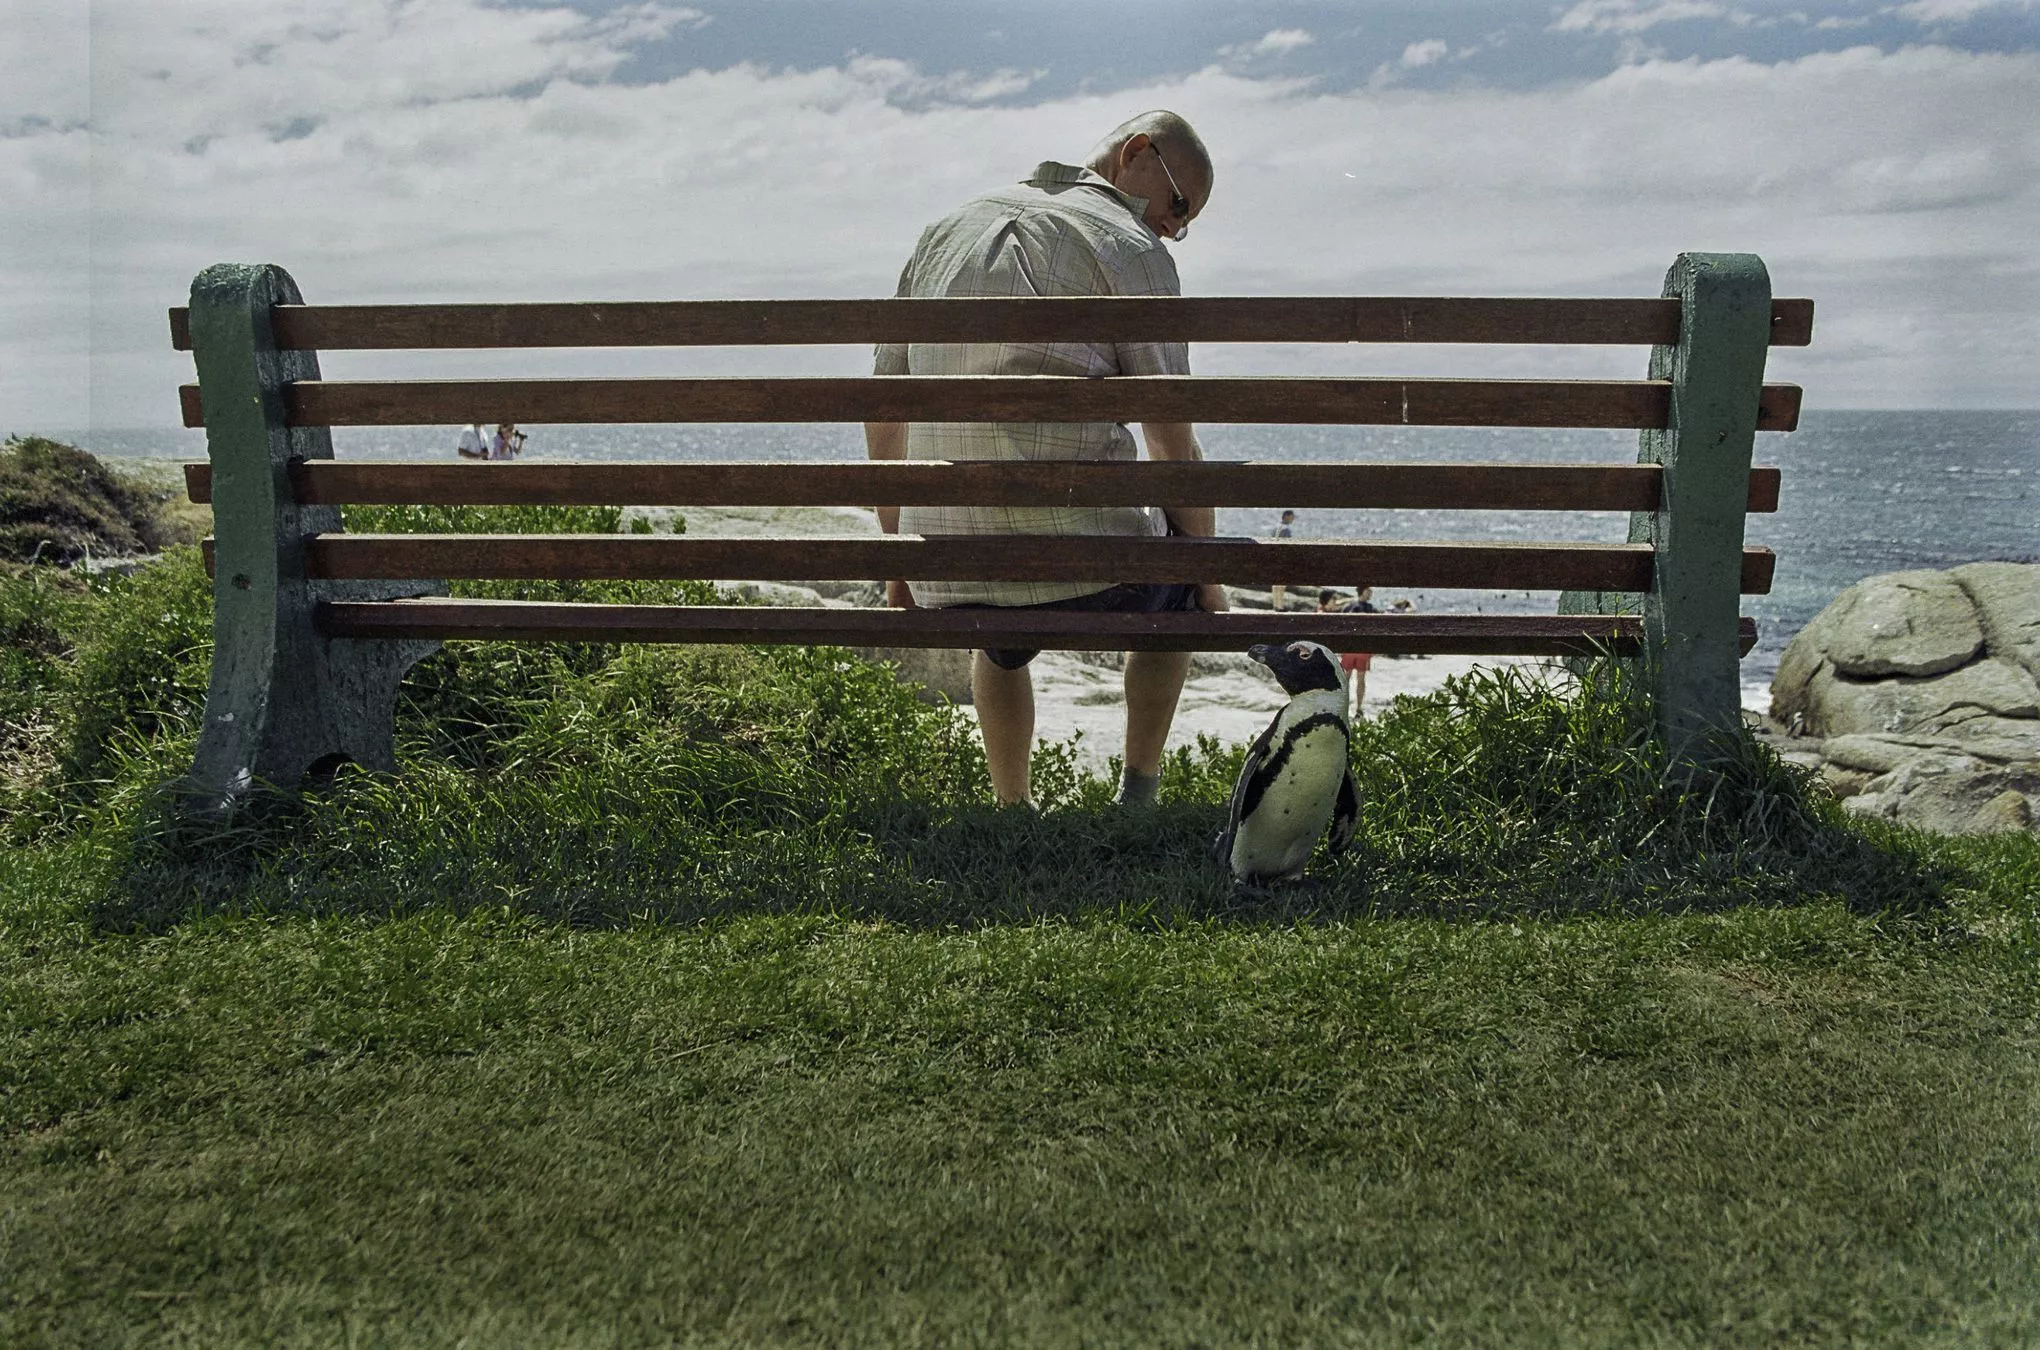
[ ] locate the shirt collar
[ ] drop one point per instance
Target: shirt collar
(1050, 173)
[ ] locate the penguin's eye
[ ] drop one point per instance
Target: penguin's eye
(1300, 648)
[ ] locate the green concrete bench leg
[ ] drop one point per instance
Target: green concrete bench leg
(1690, 615)
(284, 701)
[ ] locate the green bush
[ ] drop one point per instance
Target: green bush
(484, 519)
(1507, 780)
(58, 503)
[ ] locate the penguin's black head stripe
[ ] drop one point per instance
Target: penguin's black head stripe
(1299, 666)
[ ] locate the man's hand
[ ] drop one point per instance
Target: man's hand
(1178, 441)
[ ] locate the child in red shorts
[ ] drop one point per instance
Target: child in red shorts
(1354, 663)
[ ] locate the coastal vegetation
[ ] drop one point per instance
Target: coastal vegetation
(60, 504)
(699, 996)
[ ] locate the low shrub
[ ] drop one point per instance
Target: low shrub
(58, 504)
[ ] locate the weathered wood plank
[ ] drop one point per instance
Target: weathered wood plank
(997, 398)
(1444, 565)
(1422, 634)
(1468, 487)
(1374, 319)
(1792, 323)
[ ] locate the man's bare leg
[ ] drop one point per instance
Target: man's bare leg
(1005, 710)
(1359, 691)
(1154, 681)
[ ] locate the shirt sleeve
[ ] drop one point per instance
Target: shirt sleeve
(890, 358)
(1148, 271)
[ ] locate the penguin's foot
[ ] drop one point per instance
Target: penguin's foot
(1263, 888)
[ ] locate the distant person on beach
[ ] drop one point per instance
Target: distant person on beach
(1285, 530)
(507, 443)
(1091, 229)
(1355, 664)
(474, 442)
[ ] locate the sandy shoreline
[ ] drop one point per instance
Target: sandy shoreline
(1072, 696)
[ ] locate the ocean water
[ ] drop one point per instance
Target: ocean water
(1863, 492)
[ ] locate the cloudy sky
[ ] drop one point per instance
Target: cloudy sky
(1883, 158)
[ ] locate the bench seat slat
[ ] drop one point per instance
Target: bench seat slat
(1466, 487)
(1000, 398)
(1453, 565)
(684, 323)
(1412, 634)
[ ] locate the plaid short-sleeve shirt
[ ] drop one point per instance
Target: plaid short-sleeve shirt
(1064, 231)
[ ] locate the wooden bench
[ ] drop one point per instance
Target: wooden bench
(315, 627)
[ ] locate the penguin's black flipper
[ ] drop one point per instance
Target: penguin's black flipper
(1250, 771)
(1345, 815)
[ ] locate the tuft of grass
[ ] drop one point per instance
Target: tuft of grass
(104, 681)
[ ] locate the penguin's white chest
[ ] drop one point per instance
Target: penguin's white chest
(1275, 838)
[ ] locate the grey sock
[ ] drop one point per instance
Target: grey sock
(1137, 788)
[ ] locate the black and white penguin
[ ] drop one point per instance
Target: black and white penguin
(1298, 777)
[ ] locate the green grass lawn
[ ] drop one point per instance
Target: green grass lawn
(696, 998)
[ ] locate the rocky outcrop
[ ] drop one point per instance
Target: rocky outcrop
(1918, 696)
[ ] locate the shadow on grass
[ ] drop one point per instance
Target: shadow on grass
(604, 787)
(914, 864)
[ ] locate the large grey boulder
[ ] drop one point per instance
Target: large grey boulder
(1901, 623)
(1987, 698)
(2007, 600)
(1949, 796)
(1923, 689)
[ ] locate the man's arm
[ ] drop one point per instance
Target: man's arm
(1178, 441)
(888, 440)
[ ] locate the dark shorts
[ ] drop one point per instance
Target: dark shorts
(1127, 598)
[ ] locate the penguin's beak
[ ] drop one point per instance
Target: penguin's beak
(1262, 651)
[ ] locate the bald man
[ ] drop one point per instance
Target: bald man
(1098, 229)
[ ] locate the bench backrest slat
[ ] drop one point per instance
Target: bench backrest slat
(582, 621)
(995, 398)
(1454, 564)
(690, 323)
(1241, 483)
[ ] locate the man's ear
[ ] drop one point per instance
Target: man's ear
(1130, 149)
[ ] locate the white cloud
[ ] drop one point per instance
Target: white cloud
(1956, 11)
(506, 168)
(1276, 42)
(1424, 53)
(45, 88)
(1630, 16)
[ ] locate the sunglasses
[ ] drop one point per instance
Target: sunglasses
(1179, 205)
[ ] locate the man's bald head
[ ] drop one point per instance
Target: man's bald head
(1177, 139)
(1158, 158)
